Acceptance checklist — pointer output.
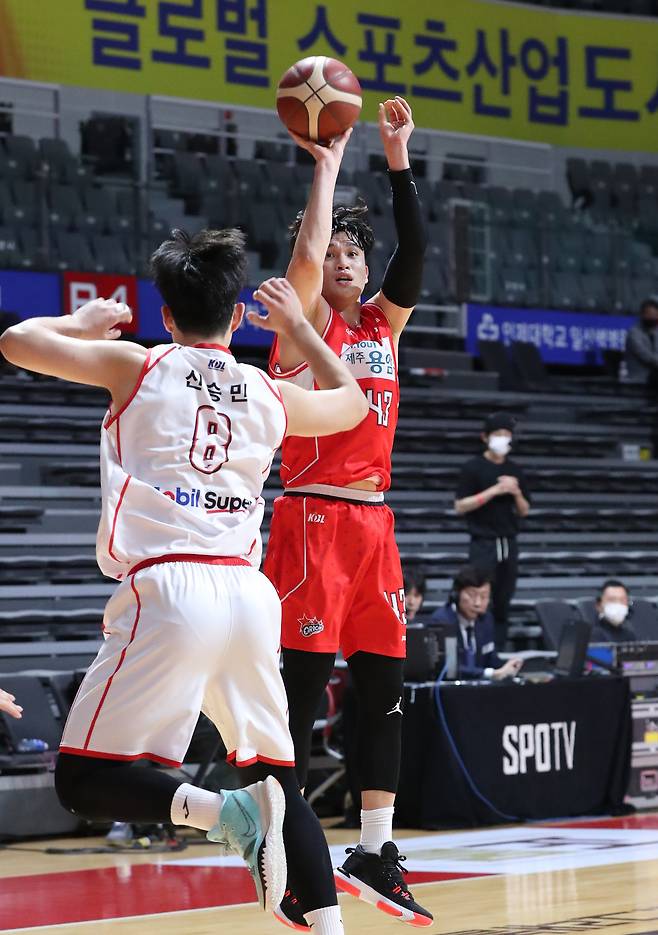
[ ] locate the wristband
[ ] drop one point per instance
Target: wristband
(480, 499)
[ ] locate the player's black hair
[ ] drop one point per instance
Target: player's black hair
(200, 276)
(650, 302)
(348, 219)
(413, 578)
(612, 583)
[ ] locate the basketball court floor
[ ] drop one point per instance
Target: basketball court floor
(577, 876)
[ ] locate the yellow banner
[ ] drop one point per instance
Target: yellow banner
(470, 66)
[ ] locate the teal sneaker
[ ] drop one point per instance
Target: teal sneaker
(251, 825)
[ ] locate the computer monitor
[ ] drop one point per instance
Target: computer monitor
(425, 654)
(572, 649)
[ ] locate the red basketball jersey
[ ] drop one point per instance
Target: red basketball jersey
(347, 457)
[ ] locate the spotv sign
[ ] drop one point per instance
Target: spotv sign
(562, 337)
(80, 288)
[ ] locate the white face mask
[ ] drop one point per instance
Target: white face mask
(615, 612)
(499, 444)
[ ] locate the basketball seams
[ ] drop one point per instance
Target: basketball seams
(318, 98)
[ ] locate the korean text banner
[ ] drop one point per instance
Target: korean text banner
(466, 65)
(562, 337)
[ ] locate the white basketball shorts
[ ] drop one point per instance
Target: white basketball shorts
(183, 638)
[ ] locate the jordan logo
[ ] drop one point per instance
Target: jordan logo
(397, 709)
(186, 810)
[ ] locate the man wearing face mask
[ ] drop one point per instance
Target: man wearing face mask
(612, 609)
(493, 495)
(642, 348)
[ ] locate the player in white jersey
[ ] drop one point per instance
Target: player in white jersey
(186, 447)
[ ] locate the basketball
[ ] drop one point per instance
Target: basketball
(319, 98)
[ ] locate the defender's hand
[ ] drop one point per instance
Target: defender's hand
(7, 704)
(284, 310)
(100, 319)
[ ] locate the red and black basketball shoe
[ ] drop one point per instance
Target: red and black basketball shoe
(290, 913)
(378, 879)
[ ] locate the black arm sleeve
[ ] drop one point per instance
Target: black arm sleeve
(404, 272)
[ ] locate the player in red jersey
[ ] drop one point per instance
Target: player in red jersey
(332, 554)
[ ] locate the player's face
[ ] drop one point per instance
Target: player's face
(345, 273)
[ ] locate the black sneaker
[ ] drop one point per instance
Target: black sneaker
(290, 913)
(377, 879)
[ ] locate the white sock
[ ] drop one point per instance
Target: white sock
(326, 921)
(376, 828)
(196, 808)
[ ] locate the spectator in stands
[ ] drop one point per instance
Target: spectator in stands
(7, 704)
(642, 347)
(414, 595)
(467, 613)
(493, 494)
(612, 609)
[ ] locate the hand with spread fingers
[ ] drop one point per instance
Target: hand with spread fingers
(7, 704)
(329, 155)
(284, 310)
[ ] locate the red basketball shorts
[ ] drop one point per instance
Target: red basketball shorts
(336, 567)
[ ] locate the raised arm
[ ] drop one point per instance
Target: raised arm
(79, 347)
(402, 280)
(339, 405)
(305, 267)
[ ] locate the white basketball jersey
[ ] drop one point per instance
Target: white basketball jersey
(184, 461)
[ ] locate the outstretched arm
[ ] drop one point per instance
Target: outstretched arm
(80, 347)
(339, 405)
(305, 267)
(401, 285)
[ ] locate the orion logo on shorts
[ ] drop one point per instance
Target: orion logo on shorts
(310, 626)
(210, 500)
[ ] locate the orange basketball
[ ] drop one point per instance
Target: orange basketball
(319, 98)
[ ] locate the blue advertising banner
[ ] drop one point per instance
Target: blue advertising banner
(562, 337)
(30, 295)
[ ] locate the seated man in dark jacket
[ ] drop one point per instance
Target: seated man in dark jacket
(467, 615)
(611, 622)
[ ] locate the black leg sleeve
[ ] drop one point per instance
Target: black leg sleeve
(113, 790)
(310, 872)
(305, 676)
(378, 682)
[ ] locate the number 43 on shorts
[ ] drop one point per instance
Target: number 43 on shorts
(380, 403)
(396, 600)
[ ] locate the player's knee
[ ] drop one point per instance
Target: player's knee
(379, 691)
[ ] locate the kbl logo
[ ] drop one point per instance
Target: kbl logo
(214, 364)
